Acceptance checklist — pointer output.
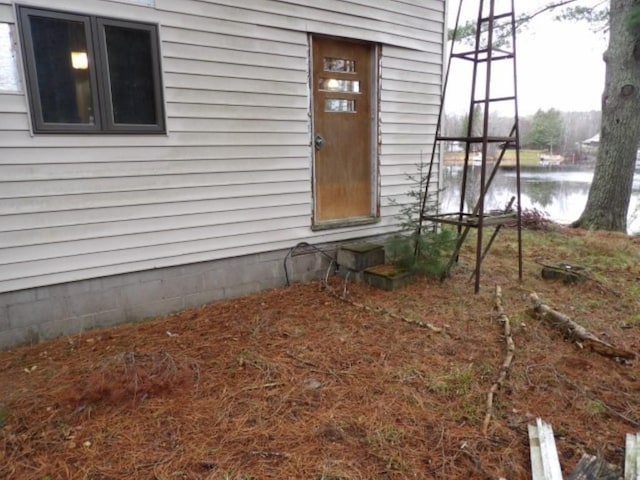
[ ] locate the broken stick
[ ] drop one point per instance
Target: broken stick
(379, 310)
(577, 333)
(511, 349)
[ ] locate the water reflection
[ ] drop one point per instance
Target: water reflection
(562, 194)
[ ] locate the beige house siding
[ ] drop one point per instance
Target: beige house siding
(232, 176)
(409, 105)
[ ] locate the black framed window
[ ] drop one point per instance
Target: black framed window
(91, 74)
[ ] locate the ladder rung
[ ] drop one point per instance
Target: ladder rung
(506, 52)
(506, 56)
(471, 220)
(471, 56)
(497, 99)
(476, 139)
(497, 17)
(465, 55)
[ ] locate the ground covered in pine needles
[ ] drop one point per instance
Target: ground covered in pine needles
(341, 381)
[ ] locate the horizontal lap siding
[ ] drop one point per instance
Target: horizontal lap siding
(233, 174)
(6, 12)
(12, 103)
(410, 99)
(421, 30)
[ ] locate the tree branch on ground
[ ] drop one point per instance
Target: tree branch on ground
(577, 333)
(506, 364)
(379, 310)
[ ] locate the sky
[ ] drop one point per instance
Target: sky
(559, 64)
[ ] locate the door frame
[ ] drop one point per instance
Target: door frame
(374, 150)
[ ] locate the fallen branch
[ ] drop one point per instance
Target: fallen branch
(383, 311)
(258, 387)
(506, 364)
(267, 454)
(577, 333)
(379, 310)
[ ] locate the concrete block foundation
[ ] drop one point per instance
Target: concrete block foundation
(36, 314)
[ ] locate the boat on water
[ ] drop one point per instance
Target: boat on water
(547, 160)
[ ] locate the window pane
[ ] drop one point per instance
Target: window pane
(338, 65)
(64, 84)
(129, 53)
(336, 85)
(339, 105)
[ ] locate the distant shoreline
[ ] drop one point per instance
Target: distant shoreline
(551, 168)
(546, 168)
(575, 167)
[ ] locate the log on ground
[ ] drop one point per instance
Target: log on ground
(576, 332)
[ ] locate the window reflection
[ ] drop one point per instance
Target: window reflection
(339, 105)
(65, 90)
(79, 60)
(336, 85)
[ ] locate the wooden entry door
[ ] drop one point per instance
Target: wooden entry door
(342, 81)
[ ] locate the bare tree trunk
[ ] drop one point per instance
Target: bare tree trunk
(610, 192)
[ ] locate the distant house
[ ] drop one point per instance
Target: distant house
(592, 141)
(590, 146)
(157, 155)
(589, 149)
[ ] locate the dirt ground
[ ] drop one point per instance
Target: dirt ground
(306, 382)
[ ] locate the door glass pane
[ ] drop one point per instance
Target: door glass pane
(129, 54)
(339, 105)
(62, 70)
(338, 65)
(336, 85)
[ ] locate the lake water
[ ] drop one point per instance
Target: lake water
(561, 194)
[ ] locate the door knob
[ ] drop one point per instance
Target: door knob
(318, 141)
